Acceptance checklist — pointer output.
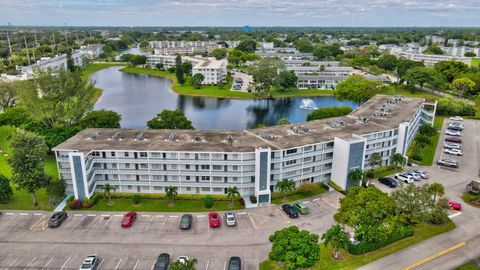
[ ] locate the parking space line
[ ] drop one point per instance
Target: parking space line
(316, 199)
(159, 216)
(105, 215)
(38, 214)
(118, 264)
(173, 216)
(10, 214)
(93, 222)
(251, 219)
(79, 222)
(146, 215)
(306, 202)
(150, 223)
(78, 215)
(208, 262)
(91, 215)
(23, 214)
(153, 265)
(100, 264)
(30, 263)
(8, 222)
(242, 213)
(63, 266)
(41, 221)
(106, 223)
(12, 263)
(201, 216)
(45, 266)
(455, 215)
(225, 265)
(136, 264)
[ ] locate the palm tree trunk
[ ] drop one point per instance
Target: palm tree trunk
(34, 198)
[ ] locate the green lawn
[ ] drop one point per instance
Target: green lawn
(428, 153)
(475, 62)
(299, 196)
(156, 205)
(302, 92)
(467, 197)
(469, 266)
(92, 68)
(422, 232)
(21, 200)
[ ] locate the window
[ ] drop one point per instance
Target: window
(217, 178)
(291, 151)
(114, 165)
(174, 167)
(205, 178)
(207, 189)
(217, 189)
(308, 148)
(290, 162)
(330, 145)
(187, 155)
(143, 154)
(112, 154)
(234, 179)
(187, 177)
(205, 167)
(188, 188)
(204, 156)
(127, 166)
(143, 166)
(96, 154)
(187, 166)
(307, 159)
(217, 167)
(235, 167)
(157, 188)
(129, 187)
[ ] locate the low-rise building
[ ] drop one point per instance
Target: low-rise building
(184, 47)
(209, 162)
(54, 63)
(432, 59)
(213, 71)
(92, 50)
(329, 82)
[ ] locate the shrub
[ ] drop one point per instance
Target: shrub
(75, 204)
(136, 199)
(451, 107)
(307, 188)
(328, 112)
(427, 130)
(6, 191)
(439, 216)
(364, 247)
(87, 203)
(208, 202)
(370, 174)
(417, 157)
(253, 198)
(242, 202)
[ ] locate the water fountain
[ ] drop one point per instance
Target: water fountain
(308, 104)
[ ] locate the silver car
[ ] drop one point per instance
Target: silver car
(423, 174)
(90, 263)
(230, 219)
(415, 176)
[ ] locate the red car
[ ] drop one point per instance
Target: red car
(455, 205)
(128, 219)
(214, 219)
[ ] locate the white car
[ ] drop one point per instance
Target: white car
(456, 118)
(452, 146)
(230, 219)
(455, 152)
(453, 133)
(423, 174)
(416, 176)
(90, 263)
(183, 259)
(404, 177)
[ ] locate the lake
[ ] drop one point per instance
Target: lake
(138, 98)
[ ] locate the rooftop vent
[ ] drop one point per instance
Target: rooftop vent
(140, 136)
(265, 135)
(94, 136)
(295, 130)
(172, 137)
(198, 138)
(116, 136)
(363, 119)
(230, 139)
(336, 123)
(305, 128)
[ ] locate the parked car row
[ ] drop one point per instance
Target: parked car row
(410, 176)
(237, 84)
(163, 261)
(452, 142)
(294, 210)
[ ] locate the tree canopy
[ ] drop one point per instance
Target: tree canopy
(328, 112)
(168, 119)
(101, 119)
(287, 79)
(357, 88)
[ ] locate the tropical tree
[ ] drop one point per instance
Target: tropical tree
(101, 119)
(107, 192)
(179, 70)
(197, 80)
(286, 79)
(187, 265)
(462, 86)
(6, 191)
(422, 141)
(8, 94)
(357, 88)
(168, 119)
(171, 193)
(398, 160)
(414, 203)
(375, 160)
(337, 238)
(355, 176)
(436, 190)
(28, 155)
(284, 186)
(265, 73)
(232, 193)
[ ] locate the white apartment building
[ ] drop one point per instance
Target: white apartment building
(321, 70)
(329, 81)
(432, 59)
(460, 51)
(92, 50)
(184, 47)
(213, 71)
(54, 63)
(209, 162)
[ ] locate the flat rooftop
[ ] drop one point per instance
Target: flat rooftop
(380, 113)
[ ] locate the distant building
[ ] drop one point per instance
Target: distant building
(54, 63)
(435, 40)
(232, 43)
(266, 45)
(168, 61)
(432, 59)
(184, 47)
(92, 50)
(329, 82)
(213, 71)
(460, 51)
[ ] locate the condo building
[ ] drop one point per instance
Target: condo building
(184, 47)
(55, 63)
(208, 162)
(320, 81)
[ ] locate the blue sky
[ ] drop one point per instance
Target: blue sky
(238, 13)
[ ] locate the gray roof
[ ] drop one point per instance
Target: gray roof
(276, 137)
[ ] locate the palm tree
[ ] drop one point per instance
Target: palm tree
(422, 141)
(232, 193)
(188, 265)
(355, 176)
(337, 238)
(171, 195)
(375, 160)
(107, 192)
(436, 190)
(398, 160)
(284, 186)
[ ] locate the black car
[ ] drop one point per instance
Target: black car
(57, 219)
(186, 222)
(162, 262)
(387, 181)
(453, 139)
(290, 211)
(235, 263)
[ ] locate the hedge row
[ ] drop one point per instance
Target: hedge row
(186, 197)
(364, 247)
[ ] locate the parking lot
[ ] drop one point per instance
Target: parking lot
(27, 242)
(241, 81)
